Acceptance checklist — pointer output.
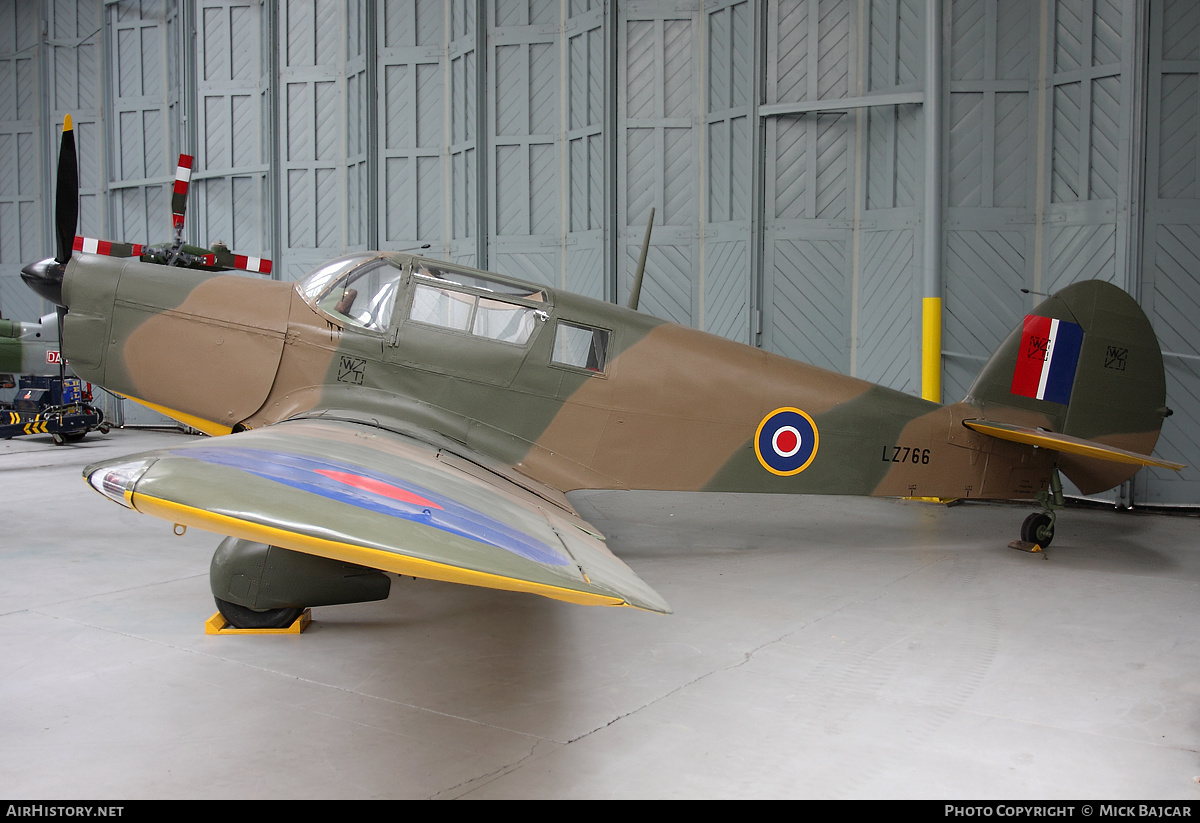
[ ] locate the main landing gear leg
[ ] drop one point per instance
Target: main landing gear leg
(1038, 529)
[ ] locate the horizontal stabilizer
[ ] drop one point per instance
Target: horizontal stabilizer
(1065, 443)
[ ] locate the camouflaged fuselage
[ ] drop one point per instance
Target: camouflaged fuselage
(672, 408)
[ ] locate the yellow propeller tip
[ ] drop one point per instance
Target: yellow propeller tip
(66, 122)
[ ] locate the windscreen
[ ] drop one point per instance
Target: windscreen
(359, 290)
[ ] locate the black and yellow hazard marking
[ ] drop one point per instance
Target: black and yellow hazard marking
(37, 427)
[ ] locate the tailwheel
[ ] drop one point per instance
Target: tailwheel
(1038, 528)
(241, 617)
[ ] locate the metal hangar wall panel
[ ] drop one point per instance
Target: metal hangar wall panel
(21, 183)
(1168, 262)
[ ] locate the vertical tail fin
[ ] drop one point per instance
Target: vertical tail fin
(1084, 363)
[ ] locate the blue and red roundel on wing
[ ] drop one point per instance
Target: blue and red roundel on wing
(786, 441)
(378, 492)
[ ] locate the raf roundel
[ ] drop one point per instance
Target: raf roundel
(786, 441)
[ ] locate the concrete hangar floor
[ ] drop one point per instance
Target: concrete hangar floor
(820, 647)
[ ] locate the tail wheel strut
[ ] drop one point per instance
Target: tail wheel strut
(1038, 527)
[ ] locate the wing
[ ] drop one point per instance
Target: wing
(364, 495)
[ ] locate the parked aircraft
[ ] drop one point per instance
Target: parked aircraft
(28, 348)
(395, 413)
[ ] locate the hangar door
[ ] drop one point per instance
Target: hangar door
(1171, 239)
(807, 279)
(842, 183)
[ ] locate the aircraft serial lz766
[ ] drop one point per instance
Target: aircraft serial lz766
(393, 413)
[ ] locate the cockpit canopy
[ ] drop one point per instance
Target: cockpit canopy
(361, 290)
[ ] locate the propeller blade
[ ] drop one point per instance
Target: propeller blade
(228, 259)
(183, 176)
(255, 264)
(90, 245)
(66, 199)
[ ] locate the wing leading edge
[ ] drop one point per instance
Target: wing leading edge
(376, 498)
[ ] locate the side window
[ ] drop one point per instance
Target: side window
(498, 320)
(584, 347)
(441, 307)
(483, 316)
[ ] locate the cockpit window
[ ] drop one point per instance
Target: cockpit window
(484, 316)
(359, 290)
(478, 281)
(475, 302)
(498, 320)
(317, 284)
(442, 307)
(584, 347)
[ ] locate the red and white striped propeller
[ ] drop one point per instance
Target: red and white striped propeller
(90, 245)
(183, 178)
(218, 257)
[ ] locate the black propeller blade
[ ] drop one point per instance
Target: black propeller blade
(66, 199)
(46, 276)
(66, 216)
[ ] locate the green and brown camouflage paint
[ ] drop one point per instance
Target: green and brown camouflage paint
(674, 409)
